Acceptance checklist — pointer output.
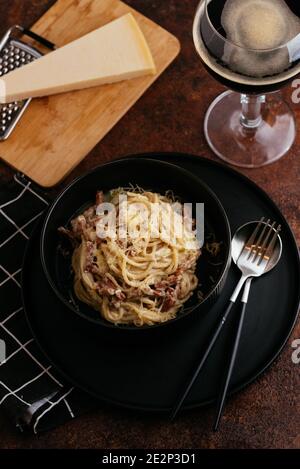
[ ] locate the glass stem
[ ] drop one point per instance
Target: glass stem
(251, 110)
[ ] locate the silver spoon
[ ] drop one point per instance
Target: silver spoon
(241, 237)
(256, 249)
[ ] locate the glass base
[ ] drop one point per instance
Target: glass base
(249, 147)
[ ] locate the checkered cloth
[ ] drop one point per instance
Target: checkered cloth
(32, 393)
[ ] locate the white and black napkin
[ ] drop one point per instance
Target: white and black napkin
(32, 393)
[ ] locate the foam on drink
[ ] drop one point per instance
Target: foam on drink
(262, 29)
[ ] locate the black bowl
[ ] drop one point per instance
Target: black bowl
(152, 175)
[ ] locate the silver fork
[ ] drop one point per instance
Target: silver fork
(255, 256)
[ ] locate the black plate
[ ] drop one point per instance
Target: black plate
(148, 376)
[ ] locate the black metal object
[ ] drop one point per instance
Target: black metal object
(43, 41)
(15, 53)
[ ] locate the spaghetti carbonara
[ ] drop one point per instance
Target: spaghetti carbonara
(135, 269)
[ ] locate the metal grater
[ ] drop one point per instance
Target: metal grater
(15, 53)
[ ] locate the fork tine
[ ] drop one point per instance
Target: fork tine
(269, 249)
(263, 239)
(254, 233)
(258, 242)
(255, 244)
(249, 244)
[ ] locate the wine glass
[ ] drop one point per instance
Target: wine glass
(250, 125)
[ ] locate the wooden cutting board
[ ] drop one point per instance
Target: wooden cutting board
(57, 132)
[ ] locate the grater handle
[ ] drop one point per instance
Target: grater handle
(50, 45)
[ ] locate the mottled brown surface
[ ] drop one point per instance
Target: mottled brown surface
(169, 117)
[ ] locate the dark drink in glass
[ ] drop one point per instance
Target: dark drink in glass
(253, 48)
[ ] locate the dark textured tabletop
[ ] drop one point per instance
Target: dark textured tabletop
(170, 117)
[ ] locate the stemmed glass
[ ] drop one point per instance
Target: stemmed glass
(250, 125)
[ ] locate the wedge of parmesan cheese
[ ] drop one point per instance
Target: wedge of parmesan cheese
(117, 51)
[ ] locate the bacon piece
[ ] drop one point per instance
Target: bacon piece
(168, 290)
(169, 300)
(78, 225)
(90, 262)
(172, 282)
(107, 287)
(135, 293)
(68, 233)
(120, 295)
